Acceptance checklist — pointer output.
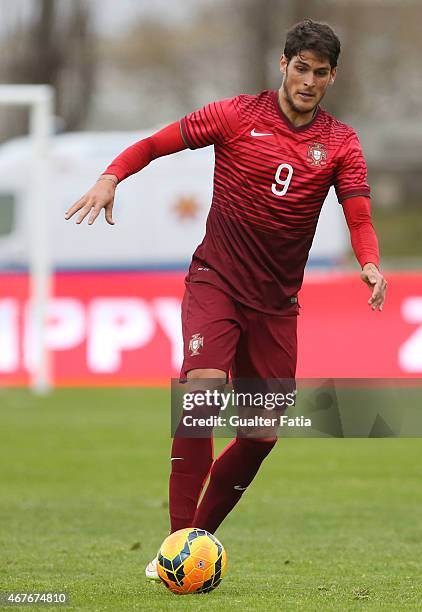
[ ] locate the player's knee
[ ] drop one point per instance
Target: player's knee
(202, 379)
(258, 446)
(206, 373)
(263, 435)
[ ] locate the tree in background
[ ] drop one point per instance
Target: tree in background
(53, 45)
(261, 20)
(264, 23)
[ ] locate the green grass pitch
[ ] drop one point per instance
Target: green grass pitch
(327, 525)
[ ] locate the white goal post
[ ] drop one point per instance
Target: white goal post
(39, 99)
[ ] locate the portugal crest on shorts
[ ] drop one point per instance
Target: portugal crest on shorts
(195, 343)
(317, 154)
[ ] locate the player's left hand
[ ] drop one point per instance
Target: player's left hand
(375, 281)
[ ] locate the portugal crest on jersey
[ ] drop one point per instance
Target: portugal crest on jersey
(195, 343)
(317, 154)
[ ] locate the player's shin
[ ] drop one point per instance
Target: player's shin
(231, 474)
(191, 460)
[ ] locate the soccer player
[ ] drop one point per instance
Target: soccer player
(276, 155)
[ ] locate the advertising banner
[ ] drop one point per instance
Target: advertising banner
(123, 328)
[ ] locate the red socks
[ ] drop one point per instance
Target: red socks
(191, 460)
(231, 474)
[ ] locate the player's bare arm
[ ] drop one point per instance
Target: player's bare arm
(99, 197)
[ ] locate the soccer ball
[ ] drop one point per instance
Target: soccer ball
(191, 561)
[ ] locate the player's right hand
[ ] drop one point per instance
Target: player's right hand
(101, 195)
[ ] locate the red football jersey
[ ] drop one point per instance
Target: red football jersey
(270, 181)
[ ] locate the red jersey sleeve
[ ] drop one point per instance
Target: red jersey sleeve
(351, 175)
(215, 123)
(137, 156)
(357, 211)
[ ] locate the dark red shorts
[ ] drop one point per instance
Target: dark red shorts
(221, 333)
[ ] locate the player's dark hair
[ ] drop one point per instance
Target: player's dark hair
(308, 35)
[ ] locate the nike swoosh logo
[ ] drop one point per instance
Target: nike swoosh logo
(175, 458)
(254, 133)
(239, 488)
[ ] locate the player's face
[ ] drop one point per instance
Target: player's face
(306, 79)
